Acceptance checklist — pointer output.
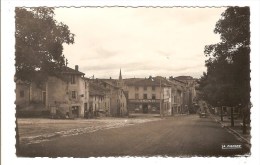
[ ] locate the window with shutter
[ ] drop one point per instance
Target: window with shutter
(74, 94)
(73, 81)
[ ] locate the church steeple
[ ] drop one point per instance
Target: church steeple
(120, 82)
(120, 75)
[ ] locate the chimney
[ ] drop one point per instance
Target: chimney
(76, 67)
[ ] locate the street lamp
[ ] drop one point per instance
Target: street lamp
(221, 111)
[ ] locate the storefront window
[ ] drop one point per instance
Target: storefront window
(145, 96)
(153, 96)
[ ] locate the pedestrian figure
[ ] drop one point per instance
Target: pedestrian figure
(90, 112)
(67, 115)
(87, 114)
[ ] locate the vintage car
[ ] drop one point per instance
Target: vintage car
(202, 114)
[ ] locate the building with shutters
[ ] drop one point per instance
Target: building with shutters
(149, 95)
(189, 94)
(116, 97)
(99, 100)
(64, 95)
(179, 96)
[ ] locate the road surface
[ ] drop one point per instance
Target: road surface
(182, 136)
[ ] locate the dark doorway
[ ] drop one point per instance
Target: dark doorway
(44, 98)
(86, 112)
(145, 108)
(75, 111)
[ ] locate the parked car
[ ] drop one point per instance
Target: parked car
(202, 114)
(137, 110)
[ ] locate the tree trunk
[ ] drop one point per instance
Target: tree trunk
(244, 121)
(221, 113)
(232, 117)
(17, 145)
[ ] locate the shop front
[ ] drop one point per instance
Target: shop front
(145, 106)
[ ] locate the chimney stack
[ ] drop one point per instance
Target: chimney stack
(76, 67)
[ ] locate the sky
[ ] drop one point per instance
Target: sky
(141, 41)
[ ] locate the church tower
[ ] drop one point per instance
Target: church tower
(120, 80)
(120, 75)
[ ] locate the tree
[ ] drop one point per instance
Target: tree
(227, 81)
(38, 49)
(39, 38)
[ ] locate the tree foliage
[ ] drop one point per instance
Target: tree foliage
(227, 81)
(39, 38)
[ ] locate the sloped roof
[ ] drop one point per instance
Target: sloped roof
(110, 83)
(184, 78)
(67, 70)
(96, 89)
(131, 80)
(151, 81)
(180, 81)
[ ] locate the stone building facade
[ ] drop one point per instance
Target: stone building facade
(65, 95)
(71, 94)
(30, 96)
(190, 92)
(151, 95)
(118, 100)
(179, 97)
(99, 100)
(118, 97)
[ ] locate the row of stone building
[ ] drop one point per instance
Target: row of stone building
(73, 95)
(160, 95)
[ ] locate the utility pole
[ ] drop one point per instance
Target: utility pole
(161, 98)
(17, 145)
(244, 119)
(232, 117)
(221, 113)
